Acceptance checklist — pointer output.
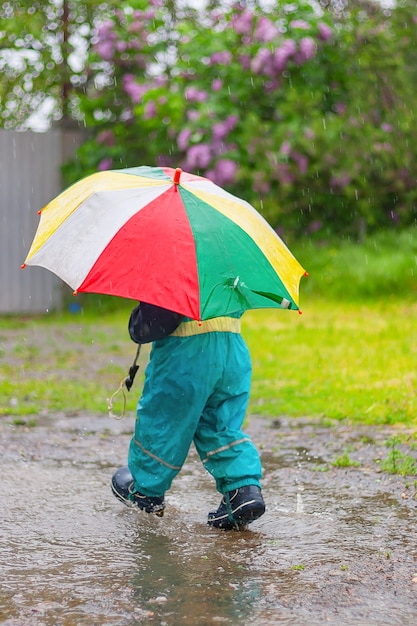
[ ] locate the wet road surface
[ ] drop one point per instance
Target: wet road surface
(336, 545)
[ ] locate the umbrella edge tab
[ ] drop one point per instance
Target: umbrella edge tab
(177, 176)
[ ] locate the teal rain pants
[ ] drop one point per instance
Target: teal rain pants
(196, 389)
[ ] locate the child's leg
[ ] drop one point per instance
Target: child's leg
(227, 453)
(167, 416)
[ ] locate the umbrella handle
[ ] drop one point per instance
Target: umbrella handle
(132, 370)
(126, 382)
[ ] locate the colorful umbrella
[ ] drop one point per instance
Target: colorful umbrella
(166, 237)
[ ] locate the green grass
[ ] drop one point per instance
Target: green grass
(352, 354)
(398, 462)
(344, 460)
(383, 266)
(337, 360)
(65, 363)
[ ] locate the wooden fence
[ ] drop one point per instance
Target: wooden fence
(29, 178)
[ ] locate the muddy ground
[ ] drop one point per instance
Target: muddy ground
(337, 544)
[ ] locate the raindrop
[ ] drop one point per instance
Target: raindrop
(300, 503)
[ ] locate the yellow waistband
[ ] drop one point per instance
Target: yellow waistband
(217, 324)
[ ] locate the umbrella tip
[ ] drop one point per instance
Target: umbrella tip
(22, 267)
(75, 293)
(305, 273)
(300, 312)
(177, 175)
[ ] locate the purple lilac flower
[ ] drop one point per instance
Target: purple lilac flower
(263, 62)
(219, 131)
(159, 81)
(307, 49)
(192, 94)
(300, 24)
(135, 43)
(106, 40)
(133, 89)
(105, 30)
(315, 226)
(221, 58)
(149, 15)
(217, 84)
(284, 174)
(224, 172)
(339, 108)
(121, 46)
(282, 54)
(150, 110)
(222, 129)
(183, 139)
(164, 160)
(193, 115)
(232, 120)
(105, 49)
(261, 185)
(301, 161)
(245, 61)
(106, 137)
(216, 16)
(325, 32)
(382, 146)
(339, 181)
(265, 30)
(285, 148)
(136, 26)
(199, 156)
(272, 85)
(105, 164)
(242, 24)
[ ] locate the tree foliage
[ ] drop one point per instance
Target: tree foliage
(305, 109)
(43, 49)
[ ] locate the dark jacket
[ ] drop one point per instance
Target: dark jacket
(149, 323)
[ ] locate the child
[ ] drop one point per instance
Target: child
(196, 388)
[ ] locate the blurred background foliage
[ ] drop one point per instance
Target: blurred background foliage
(306, 109)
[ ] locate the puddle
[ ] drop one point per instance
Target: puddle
(334, 547)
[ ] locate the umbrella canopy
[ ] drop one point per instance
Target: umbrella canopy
(168, 238)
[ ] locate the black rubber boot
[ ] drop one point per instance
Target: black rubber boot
(238, 509)
(122, 487)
